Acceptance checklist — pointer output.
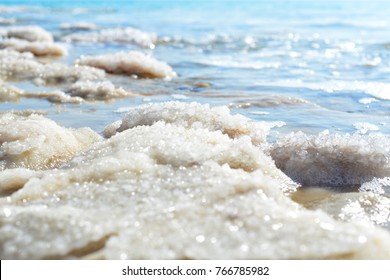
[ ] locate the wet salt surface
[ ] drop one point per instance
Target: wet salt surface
(175, 164)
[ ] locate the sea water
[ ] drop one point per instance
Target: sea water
(312, 76)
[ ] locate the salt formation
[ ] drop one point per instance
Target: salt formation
(377, 185)
(28, 33)
(126, 35)
(193, 115)
(103, 90)
(360, 207)
(332, 160)
(38, 143)
(9, 93)
(23, 66)
(78, 26)
(269, 101)
(129, 63)
(176, 192)
(36, 48)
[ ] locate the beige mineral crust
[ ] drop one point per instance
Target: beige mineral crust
(168, 190)
(23, 66)
(36, 48)
(129, 63)
(333, 160)
(36, 142)
(97, 90)
(29, 33)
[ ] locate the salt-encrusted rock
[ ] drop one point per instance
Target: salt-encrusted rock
(129, 63)
(333, 160)
(36, 48)
(38, 143)
(176, 193)
(126, 35)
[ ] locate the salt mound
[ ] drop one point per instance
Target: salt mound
(359, 207)
(115, 36)
(23, 66)
(175, 193)
(36, 48)
(54, 97)
(193, 115)
(28, 33)
(103, 90)
(129, 63)
(9, 93)
(332, 160)
(377, 185)
(78, 26)
(39, 143)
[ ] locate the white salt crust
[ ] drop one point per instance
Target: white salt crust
(36, 142)
(29, 33)
(176, 193)
(23, 66)
(332, 160)
(193, 115)
(78, 26)
(9, 93)
(129, 63)
(97, 90)
(36, 48)
(126, 35)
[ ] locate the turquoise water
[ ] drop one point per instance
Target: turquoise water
(310, 64)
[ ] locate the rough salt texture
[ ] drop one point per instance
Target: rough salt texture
(193, 115)
(38, 143)
(360, 207)
(23, 66)
(175, 193)
(377, 185)
(332, 160)
(36, 48)
(116, 36)
(29, 33)
(103, 90)
(129, 63)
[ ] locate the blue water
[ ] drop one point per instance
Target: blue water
(330, 55)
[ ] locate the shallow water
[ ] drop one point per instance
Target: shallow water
(309, 66)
